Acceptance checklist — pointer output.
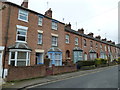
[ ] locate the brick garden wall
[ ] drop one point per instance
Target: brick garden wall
(63, 69)
(27, 72)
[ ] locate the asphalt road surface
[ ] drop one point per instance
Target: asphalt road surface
(104, 79)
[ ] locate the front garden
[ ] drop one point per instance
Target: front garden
(97, 63)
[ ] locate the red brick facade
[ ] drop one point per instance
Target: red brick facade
(9, 32)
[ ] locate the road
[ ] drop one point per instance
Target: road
(104, 79)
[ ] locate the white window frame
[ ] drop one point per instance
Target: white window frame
(40, 21)
(57, 59)
(54, 25)
(76, 40)
(23, 13)
(67, 37)
(54, 39)
(20, 28)
(40, 41)
(27, 60)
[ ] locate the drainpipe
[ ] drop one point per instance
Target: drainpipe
(82, 47)
(6, 38)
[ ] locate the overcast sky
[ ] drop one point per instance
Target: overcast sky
(97, 16)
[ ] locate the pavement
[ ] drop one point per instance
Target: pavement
(48, 79)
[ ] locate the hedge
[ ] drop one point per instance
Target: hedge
(85, 63)
(100, 61)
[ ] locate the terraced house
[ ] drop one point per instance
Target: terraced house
(27, 36)
(80, 46)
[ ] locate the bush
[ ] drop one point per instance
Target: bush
(100, 61)
(84, 63)
(118, 60)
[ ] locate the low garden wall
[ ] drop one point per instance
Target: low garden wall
(25, 72)
(63, 69)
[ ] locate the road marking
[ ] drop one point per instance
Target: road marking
(88, 73)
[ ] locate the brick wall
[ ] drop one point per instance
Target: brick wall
(27, 72)
(63, 69)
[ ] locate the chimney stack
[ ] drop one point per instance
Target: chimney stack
(49, 13)
(90, 34)
(68, 26)
(109, 41)
(113, 43)
(104, 39)
(81, 31)
(98, 37)
(25, 4)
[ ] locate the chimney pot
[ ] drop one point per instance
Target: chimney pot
(81, 31)
(98, 37)
(90, 34)
(25, 4)
(68, 26)
(104, 39)
(49, 13)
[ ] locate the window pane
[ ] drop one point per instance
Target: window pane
(39, 38)
(54, 41)
(40, 21)
(21, 38)
(12, 63)
(12, 55)
(21, 63)
(21, 55)
(23, 15)
(21, 32)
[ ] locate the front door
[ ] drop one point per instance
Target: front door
(39, 58)
(0, 64)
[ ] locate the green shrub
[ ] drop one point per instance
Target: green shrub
(118, 60)
(100, 61)
(85, 63)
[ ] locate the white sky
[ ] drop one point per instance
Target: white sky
(97, 16)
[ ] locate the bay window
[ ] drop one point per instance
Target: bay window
(19, 58)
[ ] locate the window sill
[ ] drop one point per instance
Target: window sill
(55, 29)
(67, 43)
(40, 44)
(21, 42)
(40, 25)
(54, 46)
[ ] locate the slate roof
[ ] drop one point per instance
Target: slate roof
(77, 49)
(10, 3)
(54, 49)
(19, 46)
(86, 36)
